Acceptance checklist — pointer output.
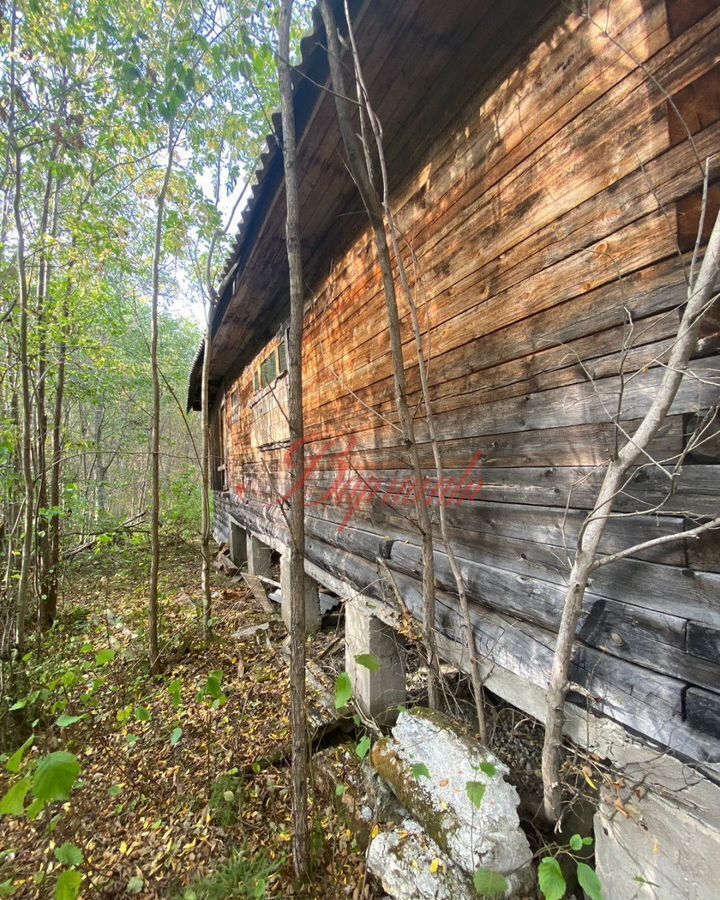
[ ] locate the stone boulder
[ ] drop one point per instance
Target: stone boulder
(454, 788)
(411, 866)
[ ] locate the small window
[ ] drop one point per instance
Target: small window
(236, 405)
(274, 365)
(268, 370)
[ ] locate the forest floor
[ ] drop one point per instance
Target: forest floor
(184, 782)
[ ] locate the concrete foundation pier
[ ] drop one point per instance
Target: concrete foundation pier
(259, 557)
(238, 544)
(377, 693)
(312, 599)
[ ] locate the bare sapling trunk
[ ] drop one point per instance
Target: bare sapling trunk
(50, 605)
(360, 168)
(364, 100)
(205, 475)
(298, 718)
(700, 298)
(155, 431)
(26, 412)
(48, 227)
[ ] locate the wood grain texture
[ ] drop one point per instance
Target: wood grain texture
(547, 197)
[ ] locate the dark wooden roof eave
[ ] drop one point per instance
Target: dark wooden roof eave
(307, 78)
(421, 67)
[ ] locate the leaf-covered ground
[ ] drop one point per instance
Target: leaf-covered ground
(182, 774)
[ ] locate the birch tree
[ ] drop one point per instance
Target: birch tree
(701, 297)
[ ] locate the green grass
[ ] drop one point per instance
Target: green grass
(240, 876)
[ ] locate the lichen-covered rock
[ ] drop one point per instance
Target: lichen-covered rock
(455, 789)
(411, 866)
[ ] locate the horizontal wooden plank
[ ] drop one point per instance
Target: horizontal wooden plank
(702, 710)
(704, 641)
(648, 702)
(637, 630)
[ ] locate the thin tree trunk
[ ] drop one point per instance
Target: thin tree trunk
(50, 605)
(24, 582)
(43, 525)
(298, 719)
(155, 445)
(359, 170)
(364, 100)
(99, 503)
(205, 523)
(700, 298)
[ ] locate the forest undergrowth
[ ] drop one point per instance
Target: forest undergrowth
(182, 790)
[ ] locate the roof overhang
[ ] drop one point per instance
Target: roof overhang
(422, 59)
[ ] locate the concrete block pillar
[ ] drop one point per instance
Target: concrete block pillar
(377, 693)
(259, 556)
(238, 544)
(312, 599)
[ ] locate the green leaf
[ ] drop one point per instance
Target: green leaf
(489, 884)
(15, 761)
(420, 770)
(13, 803)
(142, 714)
(213, 686)
(343, 690)
(35, 808)
(135, 885)
(175, 735)
(55, 776)
(369, 660)
(174, 689)
(576, 842)
(589, 882)
(64, 721)
(114, 790)
(587, 842)
(340, 790)
(104, 657)
(68, 885)
(124, 714)
(363, 747)
(488, 768)
(69, 855)
(7, 888)
(551, 879)
(475, 791)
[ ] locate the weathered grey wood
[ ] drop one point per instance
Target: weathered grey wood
(644, 700)
(702, 710)
(471, 522)
(704, 641)
(648, 637)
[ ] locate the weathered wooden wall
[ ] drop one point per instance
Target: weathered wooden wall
(546, 217)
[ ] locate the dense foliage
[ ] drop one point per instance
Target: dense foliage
(102, 103)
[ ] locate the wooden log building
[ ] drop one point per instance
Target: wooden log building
(546, 173)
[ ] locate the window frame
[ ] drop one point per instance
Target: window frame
(279, 357)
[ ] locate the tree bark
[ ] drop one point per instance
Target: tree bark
(205, 474)
(50, 605)
(155, 435)
(24, 581)
(700, 299)
(298, 719)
